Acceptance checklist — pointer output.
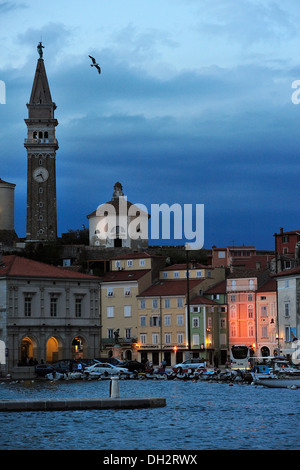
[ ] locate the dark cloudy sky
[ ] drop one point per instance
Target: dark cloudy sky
(193, 106)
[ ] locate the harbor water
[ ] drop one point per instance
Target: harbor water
(197, 416)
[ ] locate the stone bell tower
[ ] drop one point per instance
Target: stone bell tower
(41, 146)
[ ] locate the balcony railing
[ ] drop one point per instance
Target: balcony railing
(122, 341)
(40, 141)
(241, 288)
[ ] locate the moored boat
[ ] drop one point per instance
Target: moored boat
(280, 382)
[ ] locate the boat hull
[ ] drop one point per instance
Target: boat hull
(279, 383)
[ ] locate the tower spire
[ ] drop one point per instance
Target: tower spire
(41, 145)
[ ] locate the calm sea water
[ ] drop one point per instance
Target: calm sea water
(198, 416)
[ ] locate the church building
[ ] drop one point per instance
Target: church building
(119, 224)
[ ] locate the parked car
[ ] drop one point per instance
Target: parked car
(134, 366)
(63, 367)
(194, 363)
(111, 360)
(105, 369)
(42, 370)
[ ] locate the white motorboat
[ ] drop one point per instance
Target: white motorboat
(288, 381)
(276, 373)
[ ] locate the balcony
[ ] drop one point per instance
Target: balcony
(40, 141)
(110, 342)
(241, 288)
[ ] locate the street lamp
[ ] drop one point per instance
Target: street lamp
(188, 303)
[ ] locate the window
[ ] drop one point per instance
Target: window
(264, 331)
(233, 285)
(142, 321)
(142, 262)
(53, 307)
(223, 323)
(168, 338)
(250, 297)
(232, 311)
(195, 322)
(78, 308)
(199, 273)
(287, 337)
(165, 274)
(179, 320)
(167, 303)
(250, 330)
(208, 273)
(143, 304)
(179, 338)
(110, 333)
(286, 309)
(232, 298)
(127, 310)
(143, 338)
(263, 311)
(286, 283)
(179, 303)
(110, 292)
(167, 320)
(196, 340)
(154, 303)
(129, 263)
(127, 291)
(250, 311)
(251, 284)
(27, 306)
(223, 339)
(233, 330)
(154, 338)
(117, 264)
(155, 321)
(176, 274)
(110, 312)
(127, 333)
(221, 254)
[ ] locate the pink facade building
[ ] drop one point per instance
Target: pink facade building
(241, 309)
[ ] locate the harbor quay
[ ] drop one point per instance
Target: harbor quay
(81, 404)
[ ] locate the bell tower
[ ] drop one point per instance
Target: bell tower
(41, 146)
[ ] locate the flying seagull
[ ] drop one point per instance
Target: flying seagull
(94, 64)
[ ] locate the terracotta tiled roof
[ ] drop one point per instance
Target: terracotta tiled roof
(114, 276)
(288, 272)
(135, 255)
(199, 300)
(269, 286)
(219, 288)
(165, 287)
(181, 266)
(16, 266)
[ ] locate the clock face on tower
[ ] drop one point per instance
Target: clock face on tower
(40, 174)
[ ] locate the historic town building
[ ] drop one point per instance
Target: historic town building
(288, 323)
(47, 313)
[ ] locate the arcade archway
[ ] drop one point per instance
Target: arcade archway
(52, 349)
(78, 348)
(28, 350)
